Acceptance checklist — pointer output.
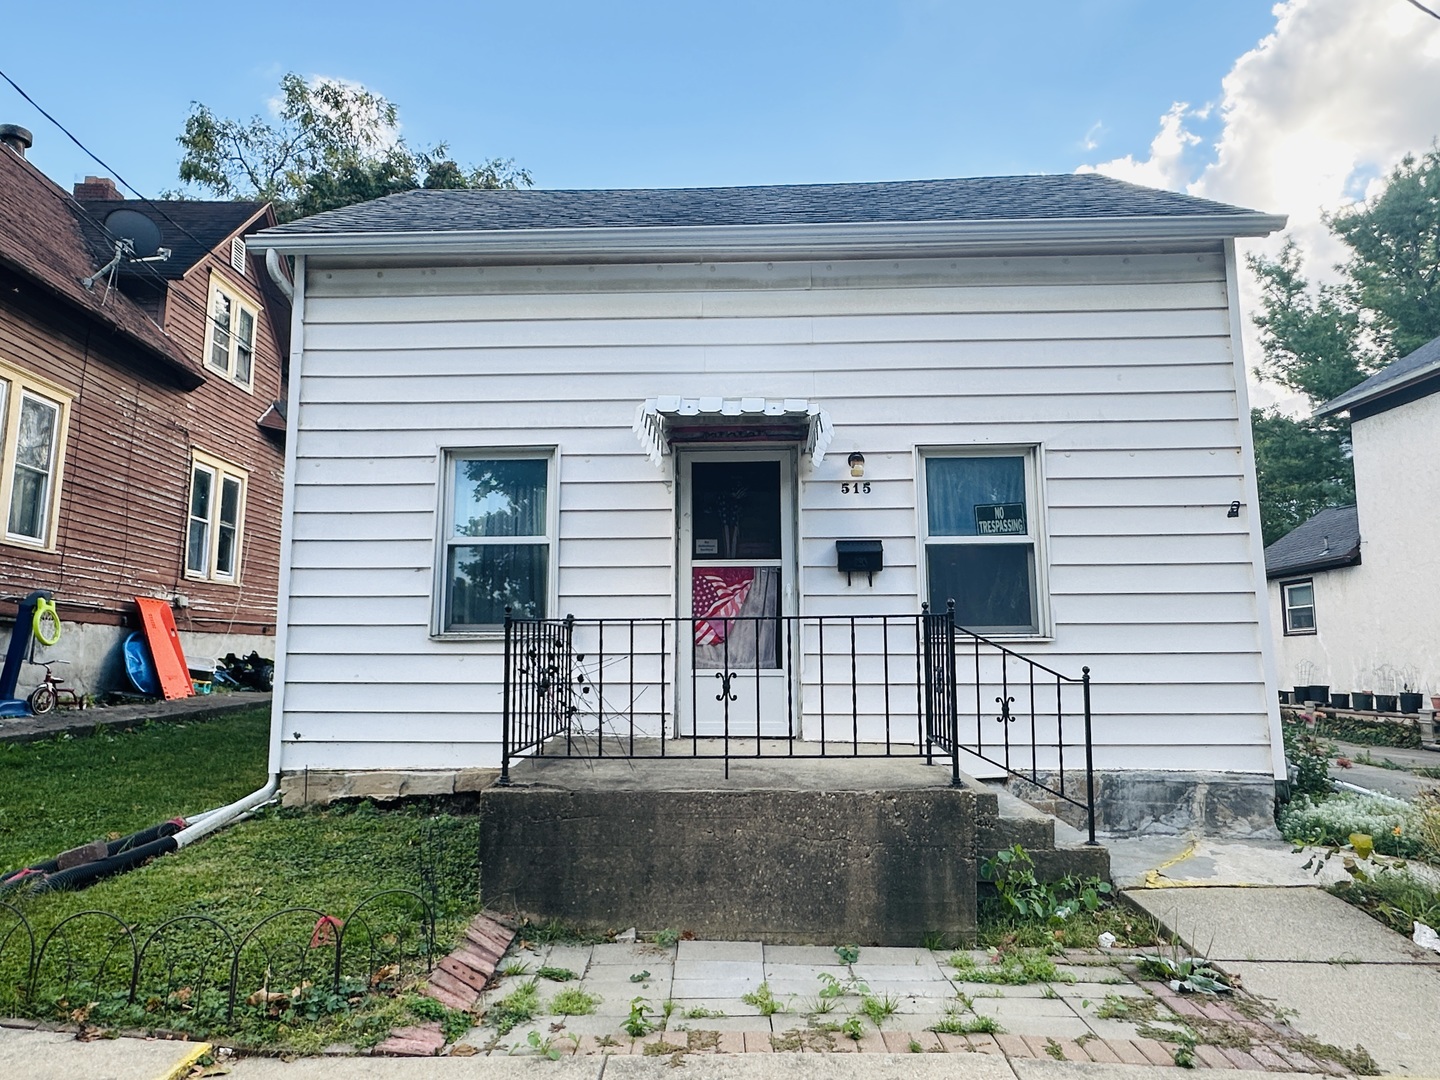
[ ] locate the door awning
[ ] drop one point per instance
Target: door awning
(662, 421)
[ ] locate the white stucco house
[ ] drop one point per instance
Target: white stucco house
(679, 416)
(1353, 590)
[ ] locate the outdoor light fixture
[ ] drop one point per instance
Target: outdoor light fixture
(1234, 510)
(856, 461)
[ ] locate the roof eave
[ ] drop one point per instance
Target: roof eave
(1350, 399)
(1314, 566)
(760, 241)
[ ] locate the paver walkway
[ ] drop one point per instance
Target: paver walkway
(708, 997)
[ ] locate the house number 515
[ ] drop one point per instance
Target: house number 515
(859, 487)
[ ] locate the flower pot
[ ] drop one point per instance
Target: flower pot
(1410, 703)
(1319, 694)
(1435, 702)
(1284, 697)
(1340, 701)
(1387, 703)
(1301, 694)
(1363, 700)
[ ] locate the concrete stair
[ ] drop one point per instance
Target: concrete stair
(1056, 847)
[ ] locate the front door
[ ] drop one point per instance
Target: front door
(737, 580)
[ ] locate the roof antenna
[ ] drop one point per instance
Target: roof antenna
(137, 239)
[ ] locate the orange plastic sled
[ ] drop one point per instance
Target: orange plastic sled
(165, 647)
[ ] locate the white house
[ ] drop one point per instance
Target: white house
(1353, 591)
(661, 410)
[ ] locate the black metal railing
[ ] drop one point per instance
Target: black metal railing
(821, 686)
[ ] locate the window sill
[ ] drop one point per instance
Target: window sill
(1301, 633)
(26, 544)
(497, 634)
(190, 575)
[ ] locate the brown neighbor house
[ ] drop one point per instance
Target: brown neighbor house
(141, 420)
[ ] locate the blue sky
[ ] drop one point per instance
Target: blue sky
(649, 93)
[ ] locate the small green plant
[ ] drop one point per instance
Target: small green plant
(762, 999)
(640, 976)
(1055, 1050)
(878, 1008)
(853, 1029)
(1183, 973)
(514, 968)
(701, 1013)
(915, 1047)
(832, 988)
(848, 954)
(544, 1047)
(954, 1023)
(1308, 754)
(934, 941)
(1184, 1052)
(515, 1008)
(666, 938)
(572, 1001)
(557, 974)
(1011, 968)
(1024, 896)
(638, 1024)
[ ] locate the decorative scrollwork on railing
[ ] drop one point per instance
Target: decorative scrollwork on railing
(1006, 716)
(726, 678)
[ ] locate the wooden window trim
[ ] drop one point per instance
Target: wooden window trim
(220, 470)
(19, 385)
(222, 285)
(1285, 587)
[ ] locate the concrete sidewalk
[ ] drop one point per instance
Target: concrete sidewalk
(47, 1055)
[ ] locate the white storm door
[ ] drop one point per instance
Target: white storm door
(737, 584)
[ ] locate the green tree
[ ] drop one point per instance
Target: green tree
(330, 145)
(1322, 341)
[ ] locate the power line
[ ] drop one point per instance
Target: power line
(1422, 7)
(113, 172)
(203, 309)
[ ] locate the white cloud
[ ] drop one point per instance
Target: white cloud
(1165, 167)
(1314, 116)
(1091, 139)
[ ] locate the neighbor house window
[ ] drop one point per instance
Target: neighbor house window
(216, 520)
(982, 539)
(498, 537)
(32, 443)
(230, 334)
(1299, 604)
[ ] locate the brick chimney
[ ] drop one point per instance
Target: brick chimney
(16, 138)
(97, 188)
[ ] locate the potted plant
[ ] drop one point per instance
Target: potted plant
(1340, 701)
(1285, 697)
(1387, 702)
(1364, 700)
(1410, 700)
(1435, 702)
(1319, 694)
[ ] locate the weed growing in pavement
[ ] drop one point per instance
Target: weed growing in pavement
(515, 968)
(848, 954)
(1054, 1049)
(515, 1008)
(638, 1023)
(1012, 968)
(1189, 974)
(1023, 895)
(666, 938)
(572, 1001)
(557, 974)
(762, 999)
(1118, 1007)
(701, 1013)
(853, 1029)
(544, 1047)
(955, 1023)
(878, 1008)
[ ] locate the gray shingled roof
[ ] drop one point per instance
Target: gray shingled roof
(189, 228)
(997, 198)
(1420, 364)
(1328, 540)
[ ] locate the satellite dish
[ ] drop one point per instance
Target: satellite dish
(133, 226)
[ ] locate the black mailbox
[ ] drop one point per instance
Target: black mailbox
(859, 557)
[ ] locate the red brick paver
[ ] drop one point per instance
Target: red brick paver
(1211, 1056)
(1014, 1046)
(1099, 1050)
(1156, 1053)
(424, 1040)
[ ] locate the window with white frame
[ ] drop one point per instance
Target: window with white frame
(216, 519)
(983, 539)
(498, 538)
(32, 442)
(1299, 604)
(230, 334)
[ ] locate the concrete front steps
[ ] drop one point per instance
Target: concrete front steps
(785, 851)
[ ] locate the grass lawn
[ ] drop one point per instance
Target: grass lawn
(58, 794)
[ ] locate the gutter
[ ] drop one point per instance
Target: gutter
(1350, 399)
(780, 241)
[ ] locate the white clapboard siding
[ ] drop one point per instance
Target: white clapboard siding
(1118, 366)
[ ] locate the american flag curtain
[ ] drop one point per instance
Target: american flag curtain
(717, 595)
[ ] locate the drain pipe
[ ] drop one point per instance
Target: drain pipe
(277, 273)
(215, 820)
